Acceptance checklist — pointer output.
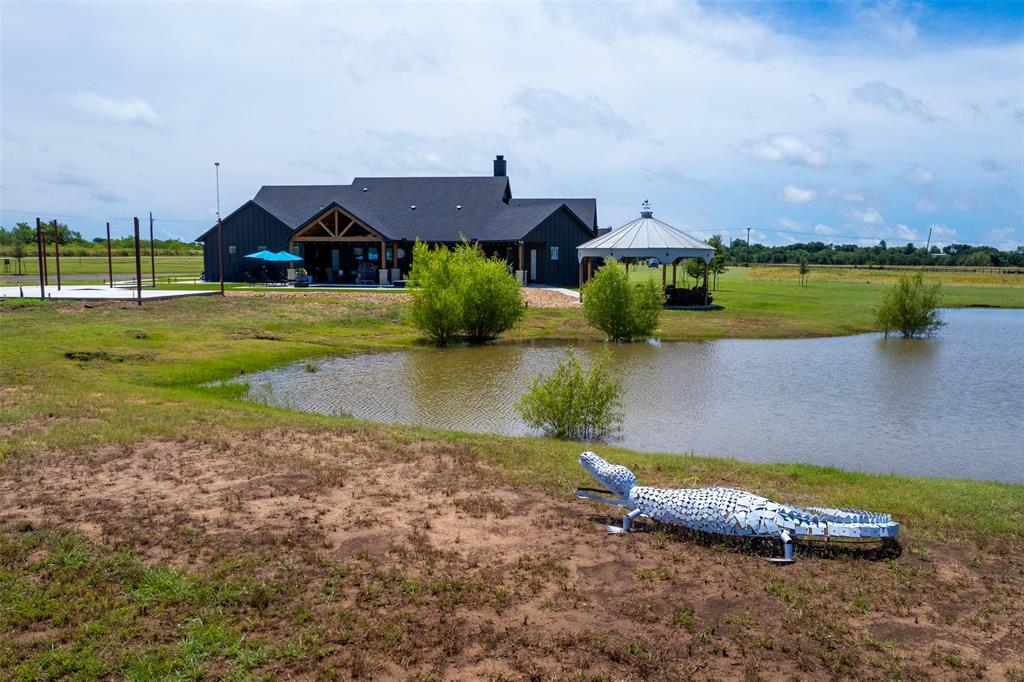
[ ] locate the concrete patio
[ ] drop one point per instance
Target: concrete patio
(97, 292)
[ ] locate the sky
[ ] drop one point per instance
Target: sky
(833, 121)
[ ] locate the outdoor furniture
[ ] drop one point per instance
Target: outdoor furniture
(677, 296)
(366, 273)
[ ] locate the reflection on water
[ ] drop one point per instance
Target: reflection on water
(948, 406)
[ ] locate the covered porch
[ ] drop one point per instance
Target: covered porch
(338, 248)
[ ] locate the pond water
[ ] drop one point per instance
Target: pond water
(950, 406)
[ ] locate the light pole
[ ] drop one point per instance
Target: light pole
(220, 232)
(216, 165)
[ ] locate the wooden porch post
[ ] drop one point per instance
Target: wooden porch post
(705, 282)
(383, 261)
(581, 274)
(522, 257)
(674, 273)
(394, 254)
(664, 273)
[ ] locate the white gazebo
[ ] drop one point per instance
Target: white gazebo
(645, 238)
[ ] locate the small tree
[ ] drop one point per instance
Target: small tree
(910, 307)
(695, 269)
(574, 403)
(805, 270)
(491, 298)
(621, 310)
(717, 265)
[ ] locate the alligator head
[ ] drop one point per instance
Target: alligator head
(616, 478)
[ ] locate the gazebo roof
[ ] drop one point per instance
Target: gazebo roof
(646, 237)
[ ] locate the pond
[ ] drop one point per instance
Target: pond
(949, 406)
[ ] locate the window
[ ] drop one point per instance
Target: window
(262, 247)
(357, 251)
(554, 253)
(231, 249)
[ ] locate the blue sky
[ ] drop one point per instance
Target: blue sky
(839, 121)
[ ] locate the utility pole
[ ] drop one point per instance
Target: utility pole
(152, 257)
(748, 246)
(138, 264)
(41, 258)
(110, 259)
(56, 248)
(928, 246)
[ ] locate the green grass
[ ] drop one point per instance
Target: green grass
(75, 379)
(97, 265)
(106, 598)
(134, 374)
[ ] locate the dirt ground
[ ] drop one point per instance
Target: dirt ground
(534, 297)
(419, 561)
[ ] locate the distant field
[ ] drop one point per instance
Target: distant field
(95, 265)
(832, 274)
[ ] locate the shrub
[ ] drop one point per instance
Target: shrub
(437, 305)
(619, 309)
(491, 301)
(462, 292)
(574, 403)
(910, 307)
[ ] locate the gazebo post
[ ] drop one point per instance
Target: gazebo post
(705, 282)
(663, 275)
(674, 273)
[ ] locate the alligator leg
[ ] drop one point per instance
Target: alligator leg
(627, 522)
(787, 549)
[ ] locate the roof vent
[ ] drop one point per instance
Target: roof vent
(413, 207)
(458, 207)
(364, 189)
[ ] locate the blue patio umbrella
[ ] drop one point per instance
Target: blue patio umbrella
(260, 255)
(282, 257)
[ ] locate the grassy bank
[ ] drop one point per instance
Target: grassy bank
(151, 528)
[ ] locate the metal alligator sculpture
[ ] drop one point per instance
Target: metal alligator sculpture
(728, 511)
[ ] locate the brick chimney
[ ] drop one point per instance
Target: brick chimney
(499, 166)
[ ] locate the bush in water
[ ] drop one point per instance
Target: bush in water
(462, 292)
(910, 307)
(621, 310)
(574, 403)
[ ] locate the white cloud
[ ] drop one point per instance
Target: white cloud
(825, 230)
(881, 95)
(1003, 238)
(130, 110)
(919, 175)
(787, 223)
(940, 231)
(846, 197)
(786, 148)
(868, 216)
(905, 232)
(925, 206)
(796, 195)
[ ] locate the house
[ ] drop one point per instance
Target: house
(346, 233)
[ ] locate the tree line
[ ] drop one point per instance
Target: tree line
(20, 242)
(820, 253)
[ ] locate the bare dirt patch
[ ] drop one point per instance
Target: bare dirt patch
(401, 560)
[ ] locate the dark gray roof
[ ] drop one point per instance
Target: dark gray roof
(446, 208)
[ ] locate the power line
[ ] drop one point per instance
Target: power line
(103, 218)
